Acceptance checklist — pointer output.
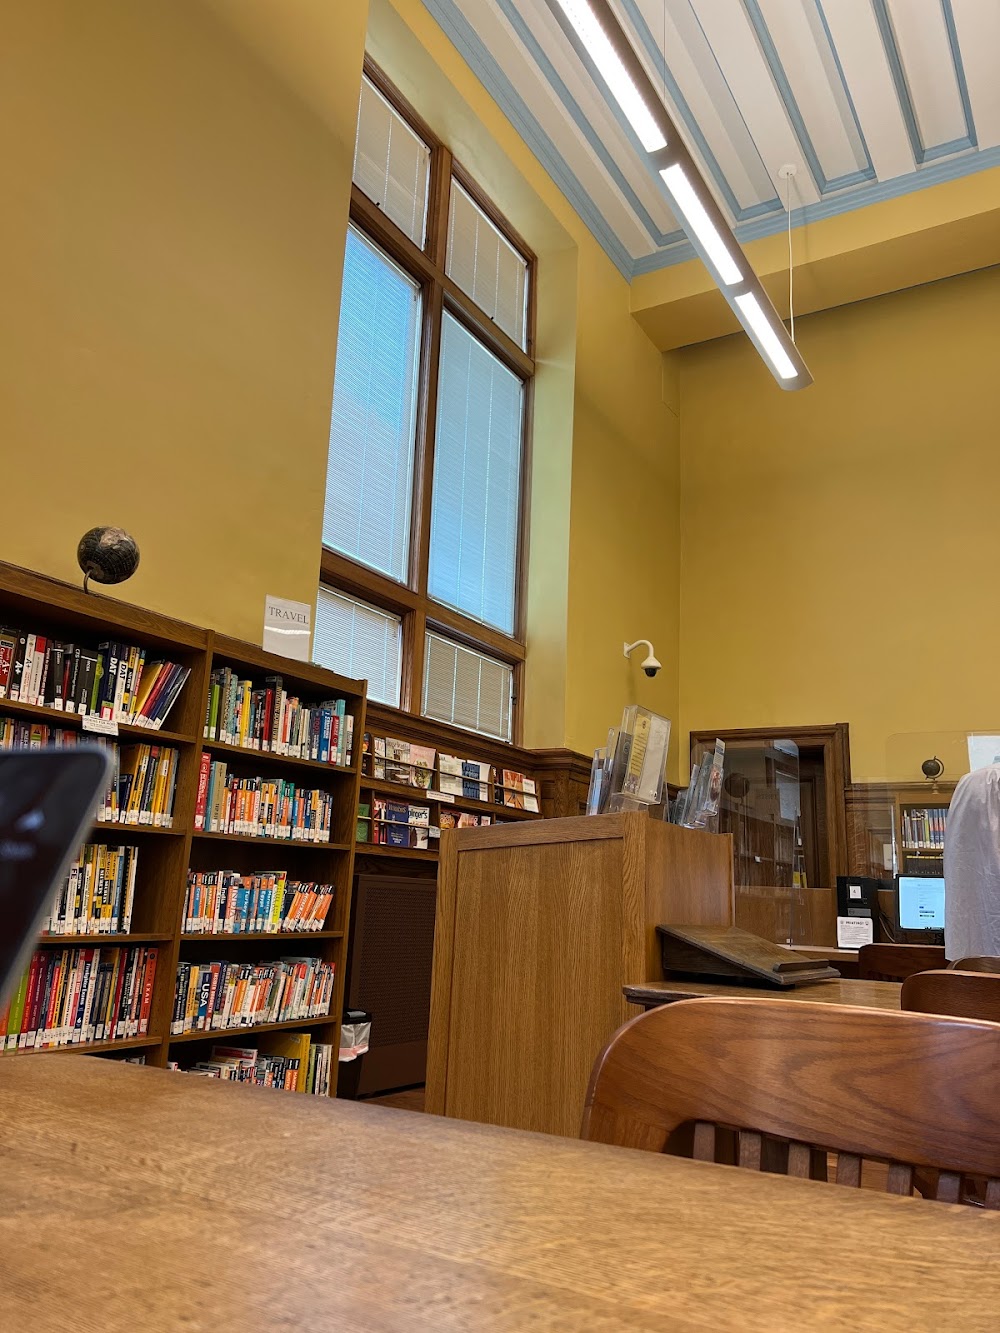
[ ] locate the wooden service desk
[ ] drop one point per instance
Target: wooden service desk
(858, 994)
(539, 925)
(141, 1201)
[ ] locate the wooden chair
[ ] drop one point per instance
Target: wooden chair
(957, 994)
(980, 962)
(907, 1090)
(896, 962)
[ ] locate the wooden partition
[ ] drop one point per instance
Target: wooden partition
(538, 928)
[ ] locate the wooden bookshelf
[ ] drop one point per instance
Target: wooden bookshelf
(33, 603)
(432, 797)
(878, 825)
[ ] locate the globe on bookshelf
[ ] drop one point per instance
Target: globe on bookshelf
(107, 555)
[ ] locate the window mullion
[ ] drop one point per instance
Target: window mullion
(414, 633)
(437, 213)
(423, 472)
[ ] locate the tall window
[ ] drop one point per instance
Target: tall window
(423, 550)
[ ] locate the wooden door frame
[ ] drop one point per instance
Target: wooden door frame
(835, 740)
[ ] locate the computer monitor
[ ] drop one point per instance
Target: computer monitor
(920, 907)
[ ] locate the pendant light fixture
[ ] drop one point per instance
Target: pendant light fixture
(594, 30)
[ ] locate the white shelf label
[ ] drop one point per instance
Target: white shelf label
(287, 627)
(104, 726)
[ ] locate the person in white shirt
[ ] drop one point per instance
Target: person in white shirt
(972, 866)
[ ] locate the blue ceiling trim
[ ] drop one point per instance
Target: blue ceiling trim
(963, 86)
(600, 149)
(781, 82)
(870, 174)
(482, 63)
(875, 193)
(694, 130)
(925, 152)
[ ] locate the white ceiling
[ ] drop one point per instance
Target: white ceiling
(868, 98)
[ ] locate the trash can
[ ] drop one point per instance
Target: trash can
(355, 1032)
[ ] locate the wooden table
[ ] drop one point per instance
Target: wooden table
(866, 994)
(143, 1201)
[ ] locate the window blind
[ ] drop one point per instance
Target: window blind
(391, 163)
(359, 641)
(477, 477)
(369, 483)
(466, 688)
(486, 266)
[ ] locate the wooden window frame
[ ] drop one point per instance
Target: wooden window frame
(410, 600)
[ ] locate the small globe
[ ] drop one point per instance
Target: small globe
(107, 555)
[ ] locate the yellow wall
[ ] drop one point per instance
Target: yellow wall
(840, 546)
(172, 234)
(177, 182)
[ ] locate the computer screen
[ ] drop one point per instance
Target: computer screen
(921, 903)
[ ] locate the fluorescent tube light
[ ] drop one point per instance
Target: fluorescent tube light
(698, 221)
(590, 32)
(769, 341)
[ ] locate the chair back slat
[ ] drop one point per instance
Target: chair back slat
(980, 962)
(949, 1187)
(749, 1150)
(798, 1085)
(704, 1141)
(900, 1179)
(960, 994)
(848, 1168)
(799, 1160)
(896, 962)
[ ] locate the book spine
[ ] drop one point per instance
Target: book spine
(8, 646)
(149, 978)
(39, 670)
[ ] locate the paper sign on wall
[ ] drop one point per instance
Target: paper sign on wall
(853, 931)
(287, 628)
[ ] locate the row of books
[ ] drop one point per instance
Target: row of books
(923, 830)
(144, 777)
(517, 792)
(396, 823)
(97, 895)
(460, 819)
(259, 807)
(227, 902)
(399, 824)
(266, 717)
(390, 760)
(289, 1061)
(113, 681)
(144, 786)
(70, 996)
(216, 996)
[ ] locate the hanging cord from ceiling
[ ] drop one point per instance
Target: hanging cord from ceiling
(787, 174)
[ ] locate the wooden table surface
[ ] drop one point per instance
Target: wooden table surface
(140, 1200)
(866, 994)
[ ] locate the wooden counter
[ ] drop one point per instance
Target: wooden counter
(539, 926)
(140, 1201)
(853, 993)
